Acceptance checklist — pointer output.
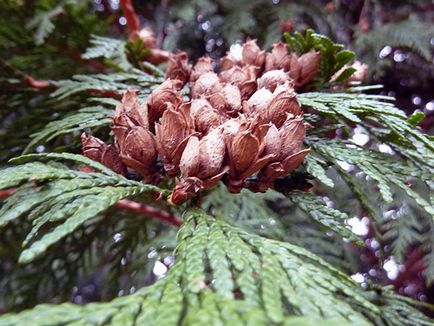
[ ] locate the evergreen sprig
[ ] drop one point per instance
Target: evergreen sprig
(53, 194)
(222, 274)
(244, 268)
(110, 49)
(89, 117)
(115, 82)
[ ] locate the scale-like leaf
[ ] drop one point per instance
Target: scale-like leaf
(294, 287)
(62, 196)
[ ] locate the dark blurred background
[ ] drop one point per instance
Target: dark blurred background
(395, 38)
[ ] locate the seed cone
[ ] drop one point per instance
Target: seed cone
(201, 166)
(136, 144)
(304, 68)
(147, 37)
(242, 125)
(203, 65)
(178, 67)
(95, 149)
(172, 134)
(167, 92)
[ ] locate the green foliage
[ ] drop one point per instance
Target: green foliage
(47, 33)
(257, 272)
(65, 199)
(274, 216)
(121, 55)
(250, 209)
(318, 210)
(317, 168)
(402, 230)
(382, 120)
(116, 252)
(385, 171)
(43, 24)
(116, 82)
(211, 283)
(402, 175)
(412, 33)
(90, 117)
(110, 49)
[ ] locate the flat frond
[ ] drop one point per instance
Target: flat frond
(317, 209)
(384, 170)
(265, 282)
(110, 49)
(53, 194)
(116, 82)
(89, 117)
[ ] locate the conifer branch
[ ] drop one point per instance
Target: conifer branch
(141, 208)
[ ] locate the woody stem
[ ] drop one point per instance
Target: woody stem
(133, 206)
(6, 193)
(133, 21)
(150, 211)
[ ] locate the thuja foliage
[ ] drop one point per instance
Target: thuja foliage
(278, 257)
(224, 275)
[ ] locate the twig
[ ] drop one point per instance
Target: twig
(6, 193)
(363, 23)
(133, 206)
(133, 21)
(153, 212)
(77, 55)
(35, 83)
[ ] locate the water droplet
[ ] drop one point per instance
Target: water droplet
(236, 51)
(360, 139)
(114, 4)
(345, 166)
(391, 268)
(152, 253)
(375, 244)
(117, 237)
(358, 226)
(385, 51)
(206, 25)
(168, 261)
(40, 148)
(358, 277)
(385, 149)
(398, 56)
(159, 269)
(122, 21)
(210, 45)
(416, 100)
(78, 299)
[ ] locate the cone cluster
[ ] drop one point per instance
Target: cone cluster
(242, 125)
